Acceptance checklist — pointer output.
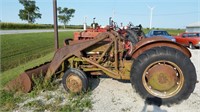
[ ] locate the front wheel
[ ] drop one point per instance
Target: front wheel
(75, 81)
(165, 73)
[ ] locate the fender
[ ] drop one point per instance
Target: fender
(149, 43)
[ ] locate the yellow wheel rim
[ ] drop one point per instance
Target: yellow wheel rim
(74, 83)
(163, 79)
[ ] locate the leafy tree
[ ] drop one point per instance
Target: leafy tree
(30, 11)
(65, 15)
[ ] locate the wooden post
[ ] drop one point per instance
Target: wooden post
(55, 24)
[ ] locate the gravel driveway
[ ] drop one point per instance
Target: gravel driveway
(111, 95)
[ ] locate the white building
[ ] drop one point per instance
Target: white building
(194, 27)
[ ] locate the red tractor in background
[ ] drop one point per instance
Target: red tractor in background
(132, 34)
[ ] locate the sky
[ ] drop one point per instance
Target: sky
(166, 13)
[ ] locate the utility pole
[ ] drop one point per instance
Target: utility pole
(151, 16)
(55, 24)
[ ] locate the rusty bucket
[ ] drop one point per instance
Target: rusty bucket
(24, 81)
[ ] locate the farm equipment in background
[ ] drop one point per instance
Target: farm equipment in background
(156, 67)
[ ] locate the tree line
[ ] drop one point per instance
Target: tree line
(31, 12)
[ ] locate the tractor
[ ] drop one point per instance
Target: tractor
(156, 67)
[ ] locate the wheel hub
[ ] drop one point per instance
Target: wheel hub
(163, 79)
(74, 83)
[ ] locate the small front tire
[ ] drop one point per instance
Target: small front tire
(75, 81)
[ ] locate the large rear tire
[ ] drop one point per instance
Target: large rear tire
(165, 73)
(75, 81)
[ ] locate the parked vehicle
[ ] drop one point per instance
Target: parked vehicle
(192, 40)
(160, 33)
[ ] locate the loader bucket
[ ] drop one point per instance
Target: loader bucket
(24, 81)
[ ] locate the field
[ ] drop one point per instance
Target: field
(17, 49)
(9, 26)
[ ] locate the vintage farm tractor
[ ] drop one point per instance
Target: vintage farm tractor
(156, 67)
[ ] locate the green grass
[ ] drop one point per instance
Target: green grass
(17, 49)
(8, 26)
(8, 101)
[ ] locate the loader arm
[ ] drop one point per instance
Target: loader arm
(72, 50)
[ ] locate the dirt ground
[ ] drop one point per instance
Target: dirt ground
(111, 95)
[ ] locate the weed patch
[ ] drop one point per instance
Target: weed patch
(77, 103)
(40, 84)
(8, 100)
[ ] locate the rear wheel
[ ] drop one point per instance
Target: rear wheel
(75, 81)
(165, 73)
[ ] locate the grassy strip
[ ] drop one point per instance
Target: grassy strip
(6, 26)
(17, 49)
